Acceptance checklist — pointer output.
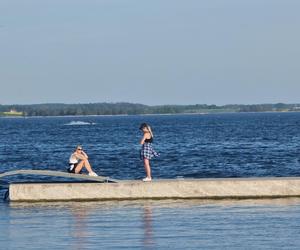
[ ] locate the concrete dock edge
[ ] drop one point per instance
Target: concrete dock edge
(158, 189)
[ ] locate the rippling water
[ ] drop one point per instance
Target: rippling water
(193, 224)
(198, 146)
(225, 145)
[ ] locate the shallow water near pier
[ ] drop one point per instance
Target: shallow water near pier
(190, 146)
(179, 224)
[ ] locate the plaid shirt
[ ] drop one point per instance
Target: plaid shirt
(148, 152)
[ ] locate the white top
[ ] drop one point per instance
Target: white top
(73, 159)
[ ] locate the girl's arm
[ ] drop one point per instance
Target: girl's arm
(80, 156)
(146, 136)
(143, 139)
(84, 154)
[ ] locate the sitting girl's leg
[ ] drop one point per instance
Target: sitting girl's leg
(79, 167)
(87, 165)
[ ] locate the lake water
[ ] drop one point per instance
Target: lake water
(197, 146)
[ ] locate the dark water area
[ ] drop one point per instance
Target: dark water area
(191, 146)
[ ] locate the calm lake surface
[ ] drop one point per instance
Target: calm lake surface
(191, 146)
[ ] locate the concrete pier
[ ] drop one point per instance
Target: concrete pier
(158, 189)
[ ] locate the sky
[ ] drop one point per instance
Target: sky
(151, 52)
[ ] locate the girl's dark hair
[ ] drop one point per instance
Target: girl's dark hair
(145, 125)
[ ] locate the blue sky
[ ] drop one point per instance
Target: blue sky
(150, 52)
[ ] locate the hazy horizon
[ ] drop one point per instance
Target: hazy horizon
(153, 53)
(83, 103)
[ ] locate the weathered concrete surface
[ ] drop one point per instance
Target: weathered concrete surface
(57, 174)
(159, 189)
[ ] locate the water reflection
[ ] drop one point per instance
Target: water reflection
(148, 227)
(79, 227)
(168, 203)
(162, 224)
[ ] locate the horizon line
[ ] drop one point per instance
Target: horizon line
(136, 103)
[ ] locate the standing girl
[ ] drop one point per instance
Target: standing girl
(147, 152)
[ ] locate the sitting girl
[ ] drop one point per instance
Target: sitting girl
(78, 160)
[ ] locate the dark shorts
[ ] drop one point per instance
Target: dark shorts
(72, 167)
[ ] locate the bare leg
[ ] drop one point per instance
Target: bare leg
(83, 163)
(79, 167)
(147, 167)
(88, 166)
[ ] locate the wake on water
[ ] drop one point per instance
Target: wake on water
(79, 123)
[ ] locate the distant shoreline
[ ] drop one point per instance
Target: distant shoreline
(124, 115)
(112, 109)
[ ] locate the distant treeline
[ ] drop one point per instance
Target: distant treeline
(57, 109)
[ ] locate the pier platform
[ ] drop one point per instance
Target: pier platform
(228, 188)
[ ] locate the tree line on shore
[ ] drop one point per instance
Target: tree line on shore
(59, 109)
